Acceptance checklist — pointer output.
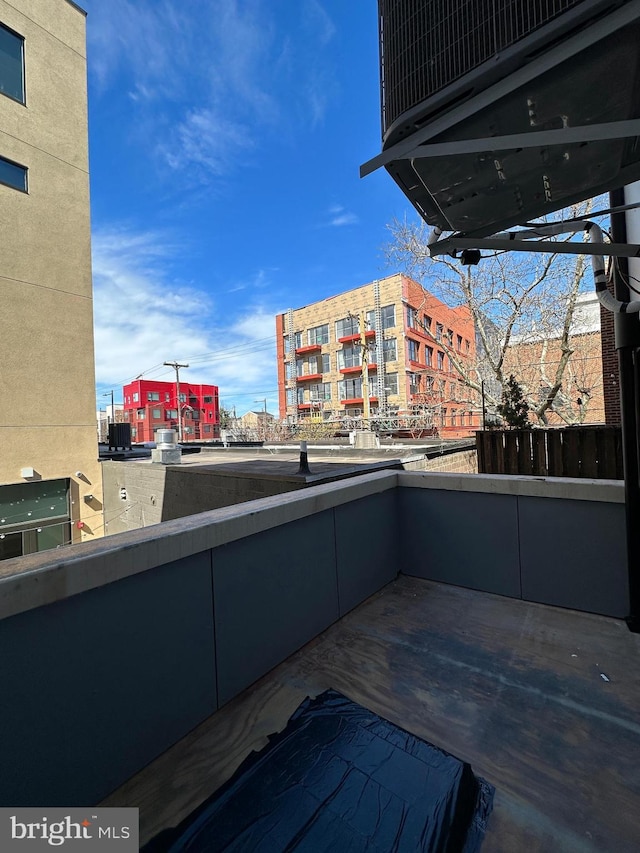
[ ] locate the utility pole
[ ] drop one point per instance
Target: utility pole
(365, 367)
(176, 366)
(113, 414)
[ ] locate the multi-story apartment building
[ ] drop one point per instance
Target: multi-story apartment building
(50, 478)
(193, 410)
(418, 354)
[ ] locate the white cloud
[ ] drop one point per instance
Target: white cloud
(216, 79)
(198, 141)
(340, 217)
(144, 316)
(318, 21)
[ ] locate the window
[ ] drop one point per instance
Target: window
(315, 364)
(12, 174)
(440, 360)
(300, 395)
(321, 391)
(349, 356)
(126, 415)
(467, 346)
(439, 328)
(134, 432)
(153, 396)
(350, 389)
(443, 417)
(413, 350)
(11, 64)
(156, 414)
(319, 335)
(140, 414)
(207, 399)
(347, 326)
(459, 343)
(389, 351)
(429, 384)
(167, 396)
(171, 413)
(207, 427)
(428, 356)
(290, 396)
(326, 363)
(391, 383)
(135, 397)
(427, 322)
(387, 316)
(412, 317)
(299, 367)
(183, 398)
(450, 337)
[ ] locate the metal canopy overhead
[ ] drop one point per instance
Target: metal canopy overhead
(562, 127)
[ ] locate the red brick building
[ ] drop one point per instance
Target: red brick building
(150, 406)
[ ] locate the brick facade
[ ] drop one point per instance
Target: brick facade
(428, 349)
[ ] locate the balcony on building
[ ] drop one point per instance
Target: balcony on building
(357, 401)
(482, 613)
(347, 339)
(309, 348)
(357, 368)
(309, 377)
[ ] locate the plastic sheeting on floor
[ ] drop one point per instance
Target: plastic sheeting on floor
(339, 779)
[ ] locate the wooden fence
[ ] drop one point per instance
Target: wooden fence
(585, 451)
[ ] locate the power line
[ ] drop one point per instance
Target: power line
(254, 345)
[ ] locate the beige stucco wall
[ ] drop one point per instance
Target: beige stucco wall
(47, 381)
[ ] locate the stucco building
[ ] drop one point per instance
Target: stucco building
(50, 481)
(418, 351)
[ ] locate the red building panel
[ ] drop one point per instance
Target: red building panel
(151, 405)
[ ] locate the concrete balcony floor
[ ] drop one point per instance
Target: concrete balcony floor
(515, 688)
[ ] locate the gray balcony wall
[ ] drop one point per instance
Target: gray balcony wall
(96, 685)
(461, 538)
(573, 554)
(559, 543)
(114, 650)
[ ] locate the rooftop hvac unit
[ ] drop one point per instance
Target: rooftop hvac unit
(500, 111)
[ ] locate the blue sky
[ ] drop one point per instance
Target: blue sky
(225, 142)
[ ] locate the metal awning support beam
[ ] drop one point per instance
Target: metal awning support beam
(534, 139)
(449, 245)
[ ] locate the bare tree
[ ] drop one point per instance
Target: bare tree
(515, 299)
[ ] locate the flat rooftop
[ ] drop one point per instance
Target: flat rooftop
(542, 701)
